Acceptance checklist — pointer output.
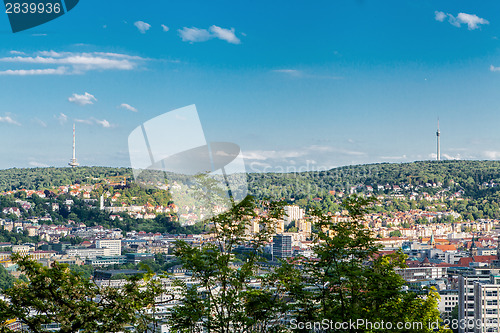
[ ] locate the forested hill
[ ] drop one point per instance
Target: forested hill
(471, 176)
(45, 178)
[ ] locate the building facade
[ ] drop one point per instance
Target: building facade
(282, 246)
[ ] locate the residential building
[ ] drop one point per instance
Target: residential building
(293, 213)
(114, 246)
(282, 246)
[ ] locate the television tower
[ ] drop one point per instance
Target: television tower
(438, 134)
(73, 163)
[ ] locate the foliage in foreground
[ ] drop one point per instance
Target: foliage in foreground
(346, 281)
(349, 281)
(59, 295)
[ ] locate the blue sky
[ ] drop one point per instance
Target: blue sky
(297, 85)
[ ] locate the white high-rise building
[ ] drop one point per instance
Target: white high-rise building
(114, 246)
(479, 302)
(293, 213)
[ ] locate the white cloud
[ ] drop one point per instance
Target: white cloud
(262, 155)
(82, 100)
(224, 34)
(396, 158)
(38, 164)
(17, 52)
(40, 122)
(454, 21)
(313, 157)
(298, 73)
(490, 154)
(193, 34)
(328, 149)
(433, 156)
(71, 62)
(8, 120)
(451, 157)
(104, 123)
(439, 16)
(494, 69)
(84, 121)
(127, 107)
(473, 21)
(142, 26)
(93, 121)
(62, 118)
(165, 28)
(291, 72)
(24, 72)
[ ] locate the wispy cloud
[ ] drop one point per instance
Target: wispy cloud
(313, 157)
(62, 118)
(439, 16)
(433, 156)
(165, 28)
(104, 123)
(82, 100)
(394, 158)
(494, 69)
(38, 164)
(224, 34)
(329, 149)
(193, 34)
(142, 26)
(70, 62)
(8, 120)
(84, 121)
(291, 72)
(491, 154)
(39, 122)
(24, 72)
(301, 74)
(452, 157)
(263, 155)
(472, 21)
(127, 107)
(93, 121)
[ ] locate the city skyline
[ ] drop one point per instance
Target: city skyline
(295, 86)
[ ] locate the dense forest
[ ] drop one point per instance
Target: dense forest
(469, 174)
(44, 178)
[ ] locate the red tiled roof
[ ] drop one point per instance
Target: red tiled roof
(446, 247)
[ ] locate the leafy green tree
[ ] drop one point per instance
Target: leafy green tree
(59, 295)
(395, 233)
(224, 299)
(349, 280)
(6, 279)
